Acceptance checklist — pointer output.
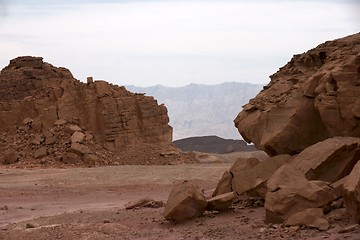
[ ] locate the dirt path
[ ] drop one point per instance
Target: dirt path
(88, 203)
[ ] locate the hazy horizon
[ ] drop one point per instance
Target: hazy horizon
(171, 43)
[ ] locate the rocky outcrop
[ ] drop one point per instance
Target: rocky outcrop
(31, 88)
(39, 98)
(313, 97)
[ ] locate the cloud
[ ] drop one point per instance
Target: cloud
(172, 42)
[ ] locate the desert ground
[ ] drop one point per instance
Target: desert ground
(89, 203)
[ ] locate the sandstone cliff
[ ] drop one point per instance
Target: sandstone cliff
(38, 99)
(313, 97)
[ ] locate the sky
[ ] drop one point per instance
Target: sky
(171, 42)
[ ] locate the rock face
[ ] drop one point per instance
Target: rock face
(42, 98)
(313, 97)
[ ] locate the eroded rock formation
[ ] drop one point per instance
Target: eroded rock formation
(37, 100)
(309, 110)
(313, 97)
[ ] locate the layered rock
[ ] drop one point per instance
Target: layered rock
(42, 97)
(313, 97)
(31, 88)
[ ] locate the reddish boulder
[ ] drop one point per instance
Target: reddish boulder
(329, 160)
(224, 185)
(351, 193)
(253, 180)
(311, 217)
(186, 201)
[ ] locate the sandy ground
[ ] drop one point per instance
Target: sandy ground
(88, 203)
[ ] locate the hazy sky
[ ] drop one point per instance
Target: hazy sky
(171, 42)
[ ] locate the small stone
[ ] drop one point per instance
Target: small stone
(77, 137)
(106, 221)
(79, 149)
(293, 229)
(60, 122)
(38, 139)
(30, 225)
(4, 208)
(10, 156)
(27, 121)
(89, 159)
(337, 204)
(144, 202)
(348, 229)
(50, 140)
(88, 137)
(261, 230)
(48, 134)
(74, 128)
(221, 202)
(69, 158)
(40, 153)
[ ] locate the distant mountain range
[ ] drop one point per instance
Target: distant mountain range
(202, 110)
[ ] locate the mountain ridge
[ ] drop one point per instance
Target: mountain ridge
(200, 109)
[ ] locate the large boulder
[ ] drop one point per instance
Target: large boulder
(311, 98)
(253, 180)
(311, 179)
(224, 185)
(290, 192)
(186, 201)
(243, 164)
(351, 193)
(311, 217)
(329, 160)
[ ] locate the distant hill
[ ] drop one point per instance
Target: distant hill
(202, 110)
(212, 144)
